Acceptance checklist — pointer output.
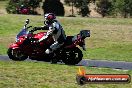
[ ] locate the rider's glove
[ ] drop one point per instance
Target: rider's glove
(34, 29)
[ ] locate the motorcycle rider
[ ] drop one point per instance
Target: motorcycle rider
(55, 30)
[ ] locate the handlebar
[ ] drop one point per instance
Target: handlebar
(29, 27)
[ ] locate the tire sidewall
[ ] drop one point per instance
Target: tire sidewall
(70, 59)
(11, 56)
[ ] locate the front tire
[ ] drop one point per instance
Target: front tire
(16, 55)
(72, 56)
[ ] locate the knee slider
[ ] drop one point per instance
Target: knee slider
(48, 51)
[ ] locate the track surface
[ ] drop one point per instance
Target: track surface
(95, 63)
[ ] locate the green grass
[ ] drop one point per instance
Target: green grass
(43, 75)
(111, 38)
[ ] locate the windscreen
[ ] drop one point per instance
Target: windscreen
(21, 33)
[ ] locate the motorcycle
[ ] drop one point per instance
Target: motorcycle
(26, 47)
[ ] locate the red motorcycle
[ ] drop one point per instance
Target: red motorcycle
(26, 47)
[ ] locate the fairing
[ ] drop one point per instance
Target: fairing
(14, 46)
(23, 33)
(39, 35)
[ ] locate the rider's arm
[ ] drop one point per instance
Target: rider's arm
(50, 31)
(40, 28)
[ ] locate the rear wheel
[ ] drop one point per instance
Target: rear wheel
(72, 56)
(16, 54)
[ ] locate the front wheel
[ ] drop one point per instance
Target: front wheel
(16, 55)
(72, 56)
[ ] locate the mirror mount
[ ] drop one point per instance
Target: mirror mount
(27, 21)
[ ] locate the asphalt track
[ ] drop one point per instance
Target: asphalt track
(95, 63)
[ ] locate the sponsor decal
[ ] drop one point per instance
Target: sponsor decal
(83, 78)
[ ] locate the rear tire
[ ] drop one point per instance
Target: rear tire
(16, 55)
(72, 56)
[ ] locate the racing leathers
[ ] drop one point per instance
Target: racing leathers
(58, 34)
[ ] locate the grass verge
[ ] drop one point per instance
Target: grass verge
(43, 75)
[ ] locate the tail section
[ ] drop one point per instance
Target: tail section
(85, 33)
